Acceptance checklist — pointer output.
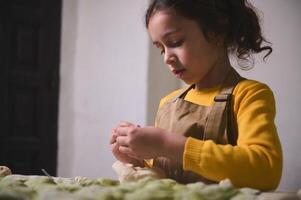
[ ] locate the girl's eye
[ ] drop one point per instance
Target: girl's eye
(172, 45)
(176, 44)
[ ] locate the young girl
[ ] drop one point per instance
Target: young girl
(222, 125)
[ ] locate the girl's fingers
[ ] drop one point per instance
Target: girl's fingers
(113, 139)
(113, 136)
(122, 131)
(125, 124)
(128, 151)
(122, 141)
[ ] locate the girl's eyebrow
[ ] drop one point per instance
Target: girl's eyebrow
(168, 33)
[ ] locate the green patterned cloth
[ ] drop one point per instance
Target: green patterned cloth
(15, 187)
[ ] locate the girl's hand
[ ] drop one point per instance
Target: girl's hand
(143, 143)
(115, 147)
(149, 142)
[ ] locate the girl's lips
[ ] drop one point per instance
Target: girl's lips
(178, 72)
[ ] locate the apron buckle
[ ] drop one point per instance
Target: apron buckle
(222, 97)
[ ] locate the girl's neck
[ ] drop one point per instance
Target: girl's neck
(216, 75)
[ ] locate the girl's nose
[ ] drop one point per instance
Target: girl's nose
(169, 58)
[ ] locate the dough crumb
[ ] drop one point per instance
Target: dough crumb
(80, 179)
(4, 171)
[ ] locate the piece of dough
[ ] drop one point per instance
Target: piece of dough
(127, 172)
(299, 193)
(80, 179)
(4, 171)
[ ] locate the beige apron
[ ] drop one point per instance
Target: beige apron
(202, 122)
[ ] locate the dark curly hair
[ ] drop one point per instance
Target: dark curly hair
(235, 20)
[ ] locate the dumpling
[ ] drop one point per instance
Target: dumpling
(4, 171)
(127, 172)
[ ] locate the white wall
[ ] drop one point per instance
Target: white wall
(66, 97)
(282, 72)
(159, 80)
(103, 80)
(110, 72)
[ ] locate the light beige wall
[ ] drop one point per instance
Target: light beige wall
(160, 82)
(282, 72)
(66, 117)
(104, 63)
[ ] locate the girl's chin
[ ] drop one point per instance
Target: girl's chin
(188, 82)
(192, 81)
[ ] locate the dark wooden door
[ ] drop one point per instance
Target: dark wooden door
(29, 77)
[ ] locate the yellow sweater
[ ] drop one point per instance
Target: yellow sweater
(256, 161)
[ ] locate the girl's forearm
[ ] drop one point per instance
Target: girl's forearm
(173, 147)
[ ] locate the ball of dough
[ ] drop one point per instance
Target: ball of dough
(127, 172)
(4, 171)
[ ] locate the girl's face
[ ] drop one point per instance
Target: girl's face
(182, 43)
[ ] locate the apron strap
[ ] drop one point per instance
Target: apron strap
(183, 93)
(220, 117)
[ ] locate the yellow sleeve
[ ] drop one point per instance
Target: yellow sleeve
(256, 161)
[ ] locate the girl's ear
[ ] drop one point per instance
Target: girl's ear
(216, 39)
(219, 41)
